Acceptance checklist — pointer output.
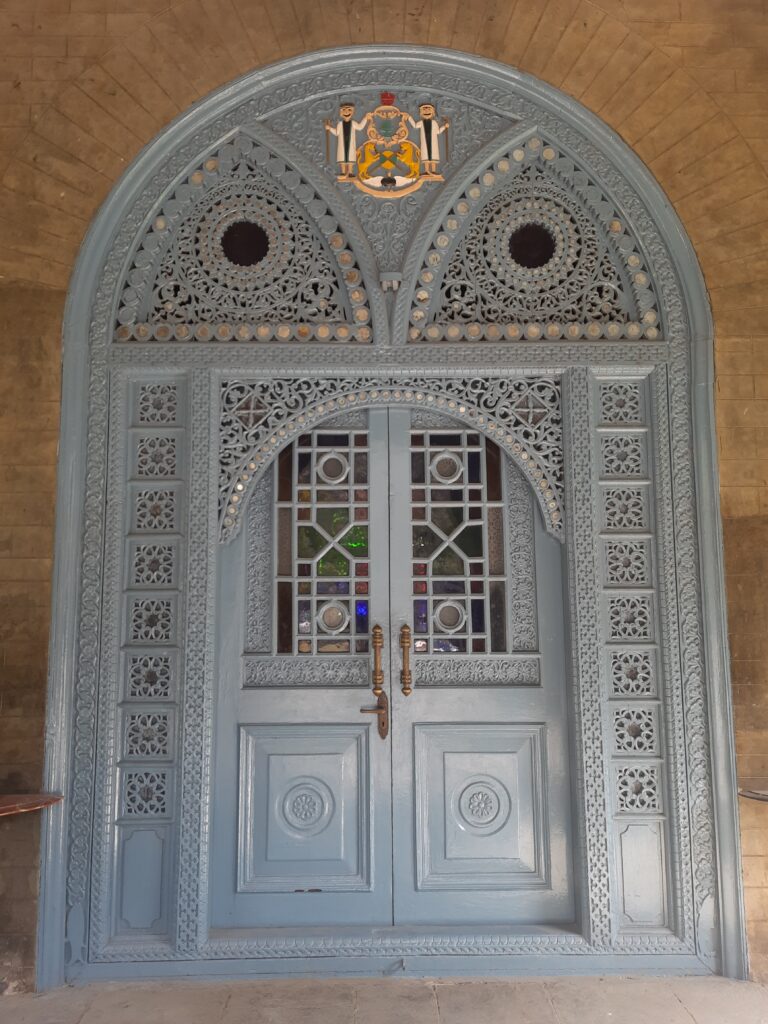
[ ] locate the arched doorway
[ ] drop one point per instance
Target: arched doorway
(305, 411)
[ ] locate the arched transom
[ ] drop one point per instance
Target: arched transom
(258, 418)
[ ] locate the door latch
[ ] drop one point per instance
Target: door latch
(382, 710)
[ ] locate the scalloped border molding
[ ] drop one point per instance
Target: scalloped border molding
(70, 731)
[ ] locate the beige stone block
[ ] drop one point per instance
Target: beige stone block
(707, 138)
(158, 65)
(119, 6)
(168, 30)
(653, 10)
(520, 31)
(684, 33)
(752, 127)
(627, 59)
(200, 25)
(414, 1002)
(739, 501)
(714, 80)
(736, 361)
(749, 647)
(232, 31)
(15, 45)
(547, 35)
(388, 22)
(360, 23)
(137, 79)
(494, 1002)
(737, 443)
(744, 104)
(21, 266)
(737, 296)
(659, 106)
(15, 69)
(607, 38)
(722, 57)
(56, 127)
(722, 221)
(492, 28)
(719, 1001)
(735, 387)
(44, 155)
(97, 83)
(258, 26)
(751, 80)
(702, 202)
(77, 24)
(756, 904)
(13, 115)
(48, 190)
(90, 48)
(629, 1000)
(655, 69)
(748, 242)
(82, 110)
(125, 24)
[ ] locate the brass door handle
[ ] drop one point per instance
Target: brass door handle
(406, 677)
(377, 676)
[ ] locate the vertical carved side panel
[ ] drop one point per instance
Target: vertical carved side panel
(585, 628)
(141, 639)
(196, 711)
(637, 770)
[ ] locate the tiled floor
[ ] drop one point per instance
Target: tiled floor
(402, 1001)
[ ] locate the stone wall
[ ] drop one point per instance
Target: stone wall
(84, 84)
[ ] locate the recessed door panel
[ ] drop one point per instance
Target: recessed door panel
(304, 798)
(480, 820)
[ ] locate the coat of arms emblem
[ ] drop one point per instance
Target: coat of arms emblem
(379, 153)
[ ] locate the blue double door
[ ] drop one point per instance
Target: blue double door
(456, 809)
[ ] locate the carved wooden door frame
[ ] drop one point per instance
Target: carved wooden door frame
(632, 398)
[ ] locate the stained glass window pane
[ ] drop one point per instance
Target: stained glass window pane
(322, 545)
(458, 544)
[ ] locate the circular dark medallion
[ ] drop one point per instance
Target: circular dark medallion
(531, 245)
(244, 243)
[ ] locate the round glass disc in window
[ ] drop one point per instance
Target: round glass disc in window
(531, 246)
(449, 616)
(245, 243)
(446, 467)
(333, 617)
(333, 468)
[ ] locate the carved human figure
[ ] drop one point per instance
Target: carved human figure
(429, 130)
(345, 130)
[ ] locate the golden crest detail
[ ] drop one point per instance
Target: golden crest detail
(388, 153)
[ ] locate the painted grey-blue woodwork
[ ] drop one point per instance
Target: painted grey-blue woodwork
(171, 421)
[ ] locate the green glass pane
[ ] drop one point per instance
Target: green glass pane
(425, 541)
(470, 540)
(311, 542)
(333, 564)
(447, 519)
(332, 520)
(356, 541)
(448, 563)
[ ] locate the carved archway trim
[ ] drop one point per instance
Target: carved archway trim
(259, 418)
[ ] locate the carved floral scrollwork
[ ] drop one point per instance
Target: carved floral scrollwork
(257, 418)
(296, 279)
(590, 281)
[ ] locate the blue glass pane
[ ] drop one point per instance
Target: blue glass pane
(420, 616)
(361, 616)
